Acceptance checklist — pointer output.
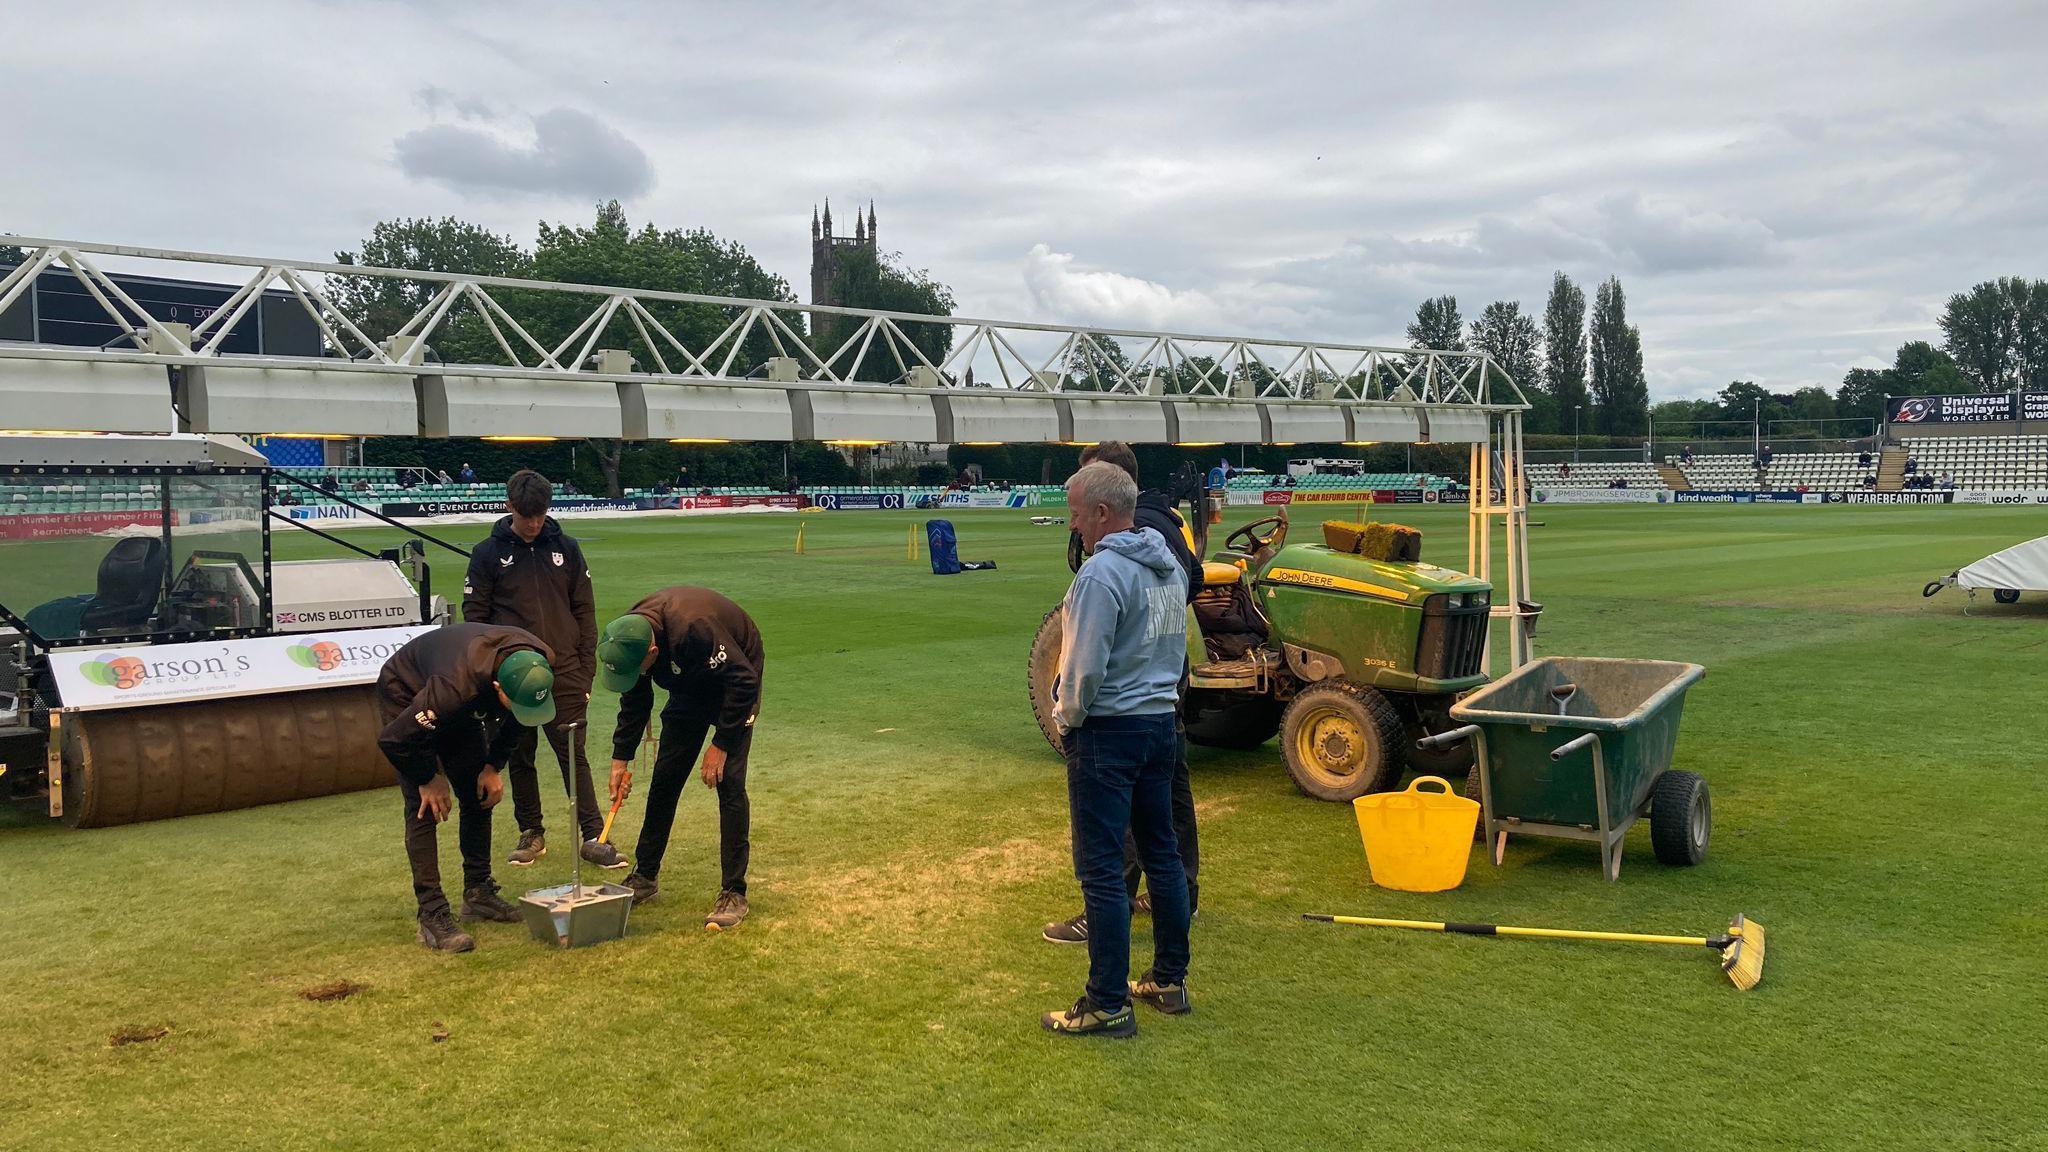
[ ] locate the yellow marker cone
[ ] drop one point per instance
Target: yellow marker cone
(910, 542)
(799, 537)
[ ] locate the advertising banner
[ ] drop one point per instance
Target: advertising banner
(1713, 497)
(983, 500)
(146, 674)
(43, 525)
(1273, 496)
(1353, 496)
(1916, 497)
(320, 511)
(460, 507)
(855, 501)
(1601, 496)
(694, 503)
(1979, 496)
(1976, 408)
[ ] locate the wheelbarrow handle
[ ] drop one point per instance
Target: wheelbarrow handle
(1451, 737)
(1570, 746)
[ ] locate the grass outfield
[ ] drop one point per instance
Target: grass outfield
(1875, 800)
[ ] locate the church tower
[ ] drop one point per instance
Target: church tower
(828, 251)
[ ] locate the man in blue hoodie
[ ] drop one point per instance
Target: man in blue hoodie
(1126, 639)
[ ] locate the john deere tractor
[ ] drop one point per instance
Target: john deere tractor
(1349, 659)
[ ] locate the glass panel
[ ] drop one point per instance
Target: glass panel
(84, 556)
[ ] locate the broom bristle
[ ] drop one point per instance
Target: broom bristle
(1743, 959)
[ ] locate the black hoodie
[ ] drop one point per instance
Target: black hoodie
(1155, 511)
(543, 587)
(441, 678)
(710, 661)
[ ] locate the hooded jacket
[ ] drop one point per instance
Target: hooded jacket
(1155, 511)
(544, 588)
(1126, 631)
(444, 678)
(708, 657)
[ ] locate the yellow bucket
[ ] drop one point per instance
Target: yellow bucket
(1419, 840)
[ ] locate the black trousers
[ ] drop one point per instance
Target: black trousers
(1183, 829)
(675, 761)
(461, 747)
(523, 777)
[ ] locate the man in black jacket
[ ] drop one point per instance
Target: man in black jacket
(706, 651)
(528, 574)
(452, 703)
(1155, 511)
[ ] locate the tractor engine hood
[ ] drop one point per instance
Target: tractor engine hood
(1316, 566)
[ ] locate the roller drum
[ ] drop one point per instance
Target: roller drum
(152, 763)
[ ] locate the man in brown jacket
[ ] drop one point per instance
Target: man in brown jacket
(529, 574)
(452, 703)
(706, 651)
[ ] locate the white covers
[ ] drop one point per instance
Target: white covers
(2022, 568)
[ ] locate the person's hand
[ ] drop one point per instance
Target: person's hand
(436, 798)
(713, 768)
(622, 781)
(490, 787)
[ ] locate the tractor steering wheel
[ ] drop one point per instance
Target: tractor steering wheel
(1250, 541)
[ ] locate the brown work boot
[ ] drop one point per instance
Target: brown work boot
(439, 931)
(730, 910)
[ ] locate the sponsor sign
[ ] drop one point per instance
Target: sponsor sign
(1976, 408)
(1276, 496)
(1353, 496)
(1979, 496)
(461, 507)
(43, 525)
(851, 501)
(1713, 497)
(1601, 496)
(983, 500)
(144, 674)
(320, 511)
(1936, 496)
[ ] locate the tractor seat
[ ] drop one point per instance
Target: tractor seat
(1216, 574)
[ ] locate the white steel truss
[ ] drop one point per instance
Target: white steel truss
(867, 348)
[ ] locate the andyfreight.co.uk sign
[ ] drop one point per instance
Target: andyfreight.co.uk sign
(145, 674)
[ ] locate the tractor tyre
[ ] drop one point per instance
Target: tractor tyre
(2006, 595)
(1237, 723)
(1342, 740)
(1043, 671)
(1681, 818)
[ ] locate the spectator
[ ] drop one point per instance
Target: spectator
(1912, 466)
(1564, 470)
(468, 473)
(683, 476)
(441, 477)
(1685, 454)
(661, 488)
(1119, 676)
(1801, 488)
(407, 478)
(569, 488)
(1863, 459)
(329, 483)
(1948, 480)
(795, 485)
(1763, 458)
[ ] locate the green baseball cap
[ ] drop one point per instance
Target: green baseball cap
(529, 684)
(623, 649)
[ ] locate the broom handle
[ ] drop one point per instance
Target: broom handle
(1499, 930)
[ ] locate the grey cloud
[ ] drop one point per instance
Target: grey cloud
(571, 154)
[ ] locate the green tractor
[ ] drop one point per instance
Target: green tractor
(1349, 660)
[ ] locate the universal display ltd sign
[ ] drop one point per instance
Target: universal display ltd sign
(1980, 408)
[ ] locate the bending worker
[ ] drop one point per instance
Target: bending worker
(529, 574)
(452, 702)
(706, 651)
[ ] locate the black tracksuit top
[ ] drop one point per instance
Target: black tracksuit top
(708, 657)
(446, 677)
(543, 587)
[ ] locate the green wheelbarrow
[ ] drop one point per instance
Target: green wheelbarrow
(1579, 747)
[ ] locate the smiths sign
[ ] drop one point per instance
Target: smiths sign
(1980, 408)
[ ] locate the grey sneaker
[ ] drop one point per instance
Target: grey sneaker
(603, 855)
(643, 888)
(1171, 999)
(1087, 1018)
(1074, 931)
(440, 932)
(532, 846)
(730, 910)
(483, 903)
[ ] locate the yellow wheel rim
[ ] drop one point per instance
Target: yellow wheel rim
(1331, 746)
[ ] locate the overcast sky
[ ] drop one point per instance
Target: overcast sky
(1785, 190)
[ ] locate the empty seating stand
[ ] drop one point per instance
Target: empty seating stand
(1818, 471)
(1991, 463)
(1595, 474)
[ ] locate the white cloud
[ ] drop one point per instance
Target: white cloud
(571, 153)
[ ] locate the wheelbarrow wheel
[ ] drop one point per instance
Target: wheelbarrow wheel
(1342, 740)
(1681, 818)
(2006, 595)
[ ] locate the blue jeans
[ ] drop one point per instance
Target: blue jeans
(1120, 775)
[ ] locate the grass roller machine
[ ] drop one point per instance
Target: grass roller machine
(155, 661)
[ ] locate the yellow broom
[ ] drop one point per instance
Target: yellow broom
(1742, 949)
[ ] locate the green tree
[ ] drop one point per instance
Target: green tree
(1918, 369)
(1093, 365)
(1510, 337)
(1564, 348)
(1998, 333)
(381, 305)
(867, 280)
(1621, 397)
(1437, 325)
(12, 254)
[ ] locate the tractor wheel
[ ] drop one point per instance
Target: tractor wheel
(1044, 669)
(2006, 595)
(1681, 818)
(1342, 740)
(1221, 721)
